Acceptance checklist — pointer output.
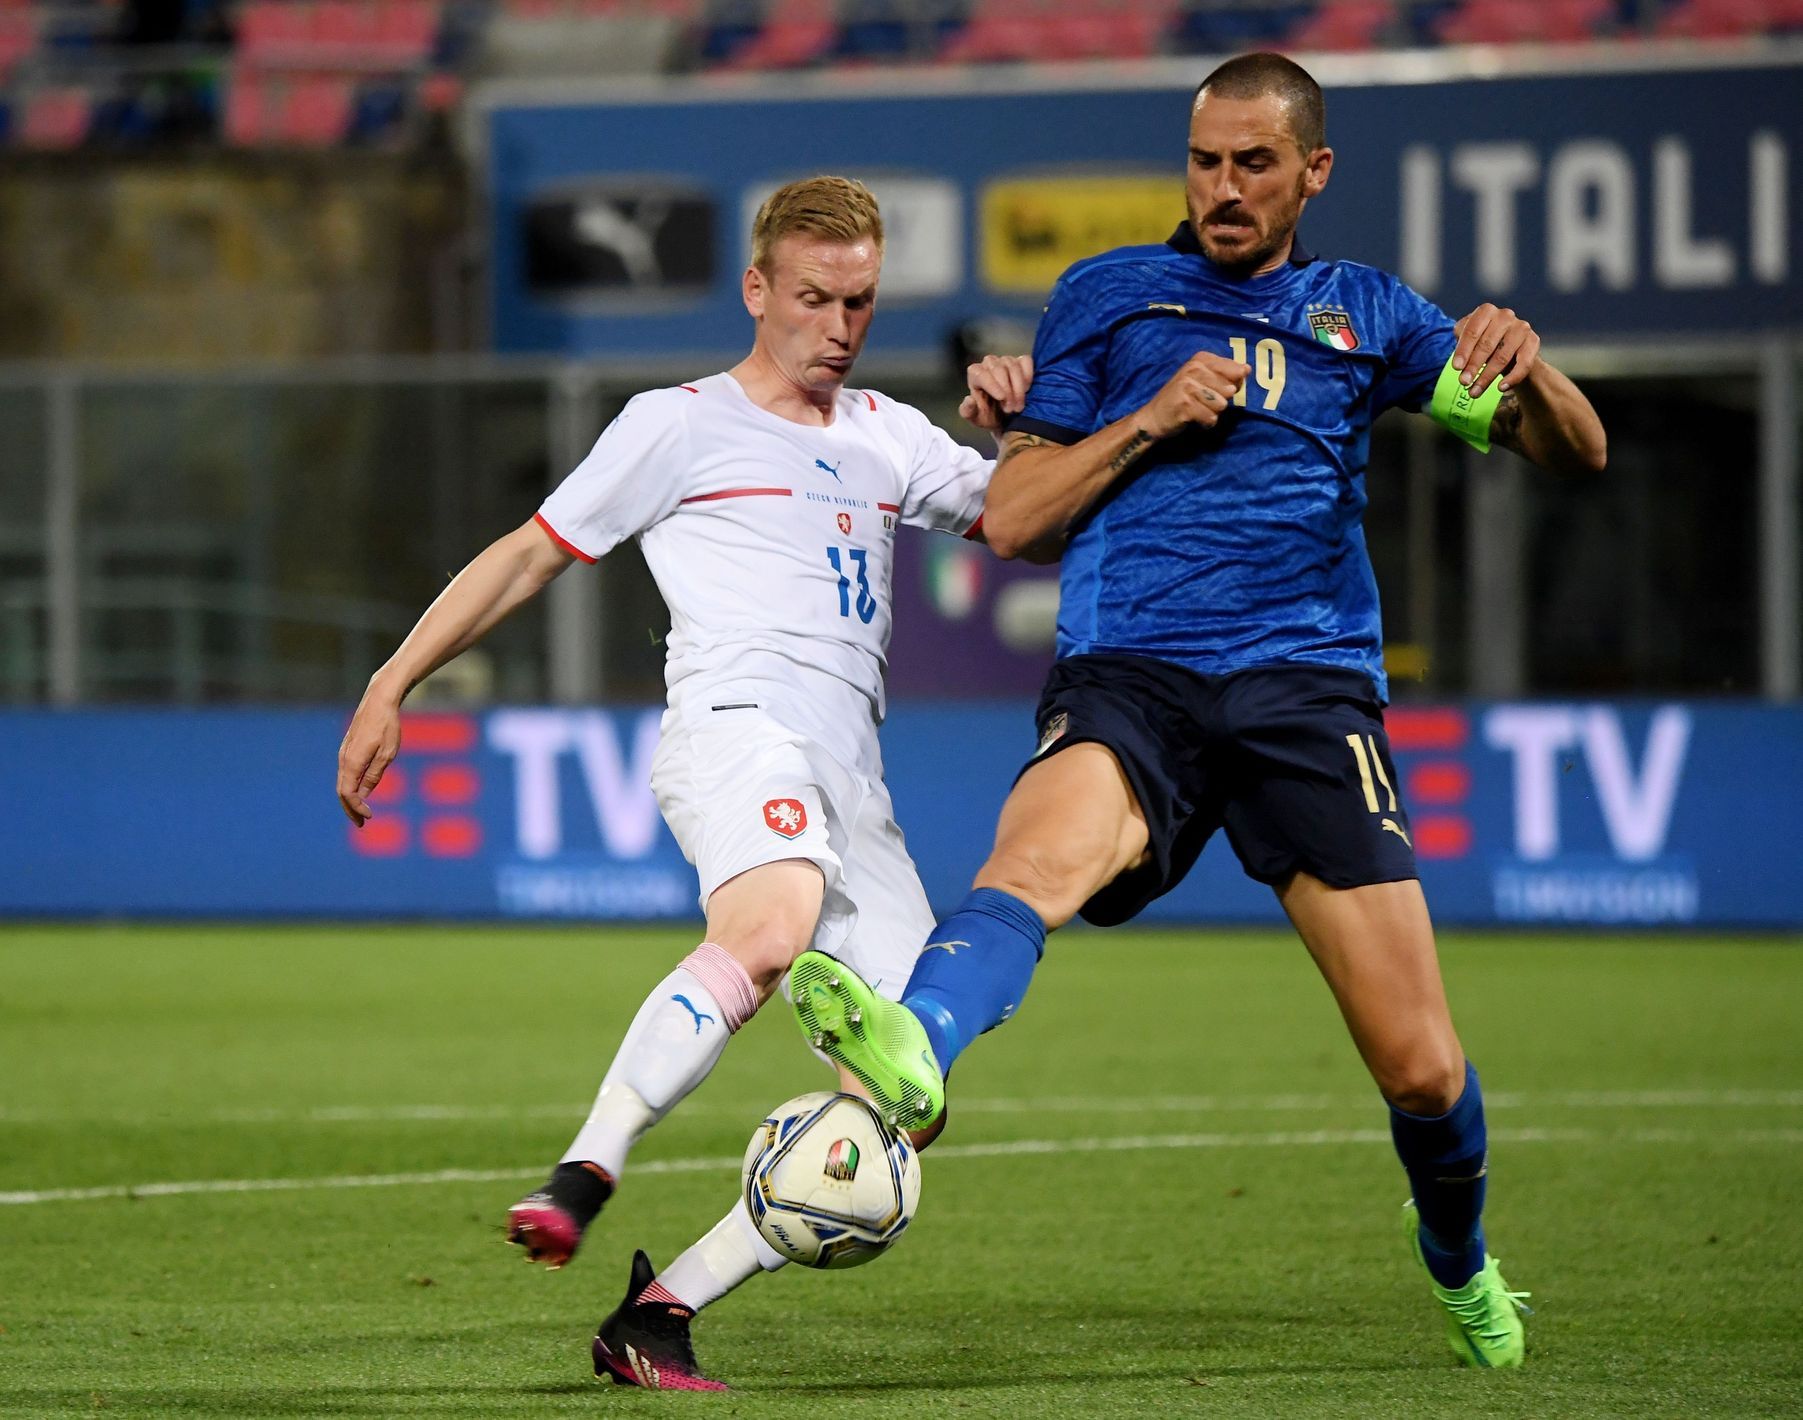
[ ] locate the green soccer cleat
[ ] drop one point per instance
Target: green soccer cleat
(1483, 1318)
(881, 1042)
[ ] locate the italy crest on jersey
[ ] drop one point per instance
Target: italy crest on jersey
(1333, 326)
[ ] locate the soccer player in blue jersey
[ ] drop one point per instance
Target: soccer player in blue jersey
(1195, 439)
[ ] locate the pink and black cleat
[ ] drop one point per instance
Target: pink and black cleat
(550, 1223)
(646, 1340)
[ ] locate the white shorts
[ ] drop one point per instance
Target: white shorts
(739, 790)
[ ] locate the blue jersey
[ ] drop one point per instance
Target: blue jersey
(1238, 546)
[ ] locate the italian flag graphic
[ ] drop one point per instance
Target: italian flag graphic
(1340, 339)
(954, 578)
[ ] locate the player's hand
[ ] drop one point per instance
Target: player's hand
(1495, 345)
(369, 747)
(1199, 393)
(998, 388)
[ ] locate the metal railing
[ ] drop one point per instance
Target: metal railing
(270, 534)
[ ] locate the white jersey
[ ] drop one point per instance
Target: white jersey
(771, 541)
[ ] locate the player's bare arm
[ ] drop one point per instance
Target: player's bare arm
(508, 572)
(1040, 488)
(1543, 416)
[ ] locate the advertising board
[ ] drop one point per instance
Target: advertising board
(1619, 201)
(1611, 814)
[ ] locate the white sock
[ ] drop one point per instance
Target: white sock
(672, 1044)
(732, 1252)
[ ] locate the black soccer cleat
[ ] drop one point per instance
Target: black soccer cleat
(550, 1223)
(646, 1340)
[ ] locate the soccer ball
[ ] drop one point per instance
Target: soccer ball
(828, 1183)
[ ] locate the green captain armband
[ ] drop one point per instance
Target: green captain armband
(1454, 408)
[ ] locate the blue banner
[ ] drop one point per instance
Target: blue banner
(1552, 813)
(1608, 204)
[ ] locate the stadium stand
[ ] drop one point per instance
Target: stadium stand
(312, 73)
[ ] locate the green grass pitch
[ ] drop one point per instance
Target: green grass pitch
(1198, 1216)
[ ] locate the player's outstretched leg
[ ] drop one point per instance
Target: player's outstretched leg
(974, 971)
(1483, 1317)
(674, 1041)
(645, 1340)
(880, 1042)
(549, 1222)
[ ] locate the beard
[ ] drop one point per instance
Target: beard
(1255, 249)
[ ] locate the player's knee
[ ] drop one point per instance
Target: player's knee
(766, 950)
(1426, 1081)
(1053, 885)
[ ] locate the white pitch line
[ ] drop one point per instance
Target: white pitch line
(1004, 1148)
(1056, 1104)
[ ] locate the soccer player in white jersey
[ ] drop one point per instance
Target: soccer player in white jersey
(767, 500)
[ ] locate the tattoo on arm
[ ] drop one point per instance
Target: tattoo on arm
(1012, 444)
(1505, 424)
(1132, 449)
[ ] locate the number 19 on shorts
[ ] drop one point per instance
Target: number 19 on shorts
(858, 560)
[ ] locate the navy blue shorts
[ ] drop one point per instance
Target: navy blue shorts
(1291, 760)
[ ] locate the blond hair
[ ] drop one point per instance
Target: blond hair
(838, 209)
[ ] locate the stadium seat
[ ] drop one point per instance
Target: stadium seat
(1005, 30)
(1526, 21)
(1343, 25)
(798, 33)
(725, 27)
(318, 111)
(18, 38)
(1212, 28)
(439, 92)
(274, 32)
(1421, 18)
(338, 34)
(874, 30)
(1728, 19)
(57, 118)
(305, 111)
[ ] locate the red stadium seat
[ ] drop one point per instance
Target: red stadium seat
(57, 118)
(338, 34)
(1728, 19)
(1006, 30)
(799, 33)
(307, 111)
(318, 111)
(246, 105)
(1525, 21)
(18, 37)
(275, 31)
(440, 91)
(1343, 25)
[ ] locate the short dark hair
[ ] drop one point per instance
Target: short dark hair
(1252, 76)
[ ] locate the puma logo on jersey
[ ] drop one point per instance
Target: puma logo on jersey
(832, 468)
(1170, 306)
(949, 948)
(1390, 825)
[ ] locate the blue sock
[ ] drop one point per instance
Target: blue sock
(974, 971)
(1444, 1157)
